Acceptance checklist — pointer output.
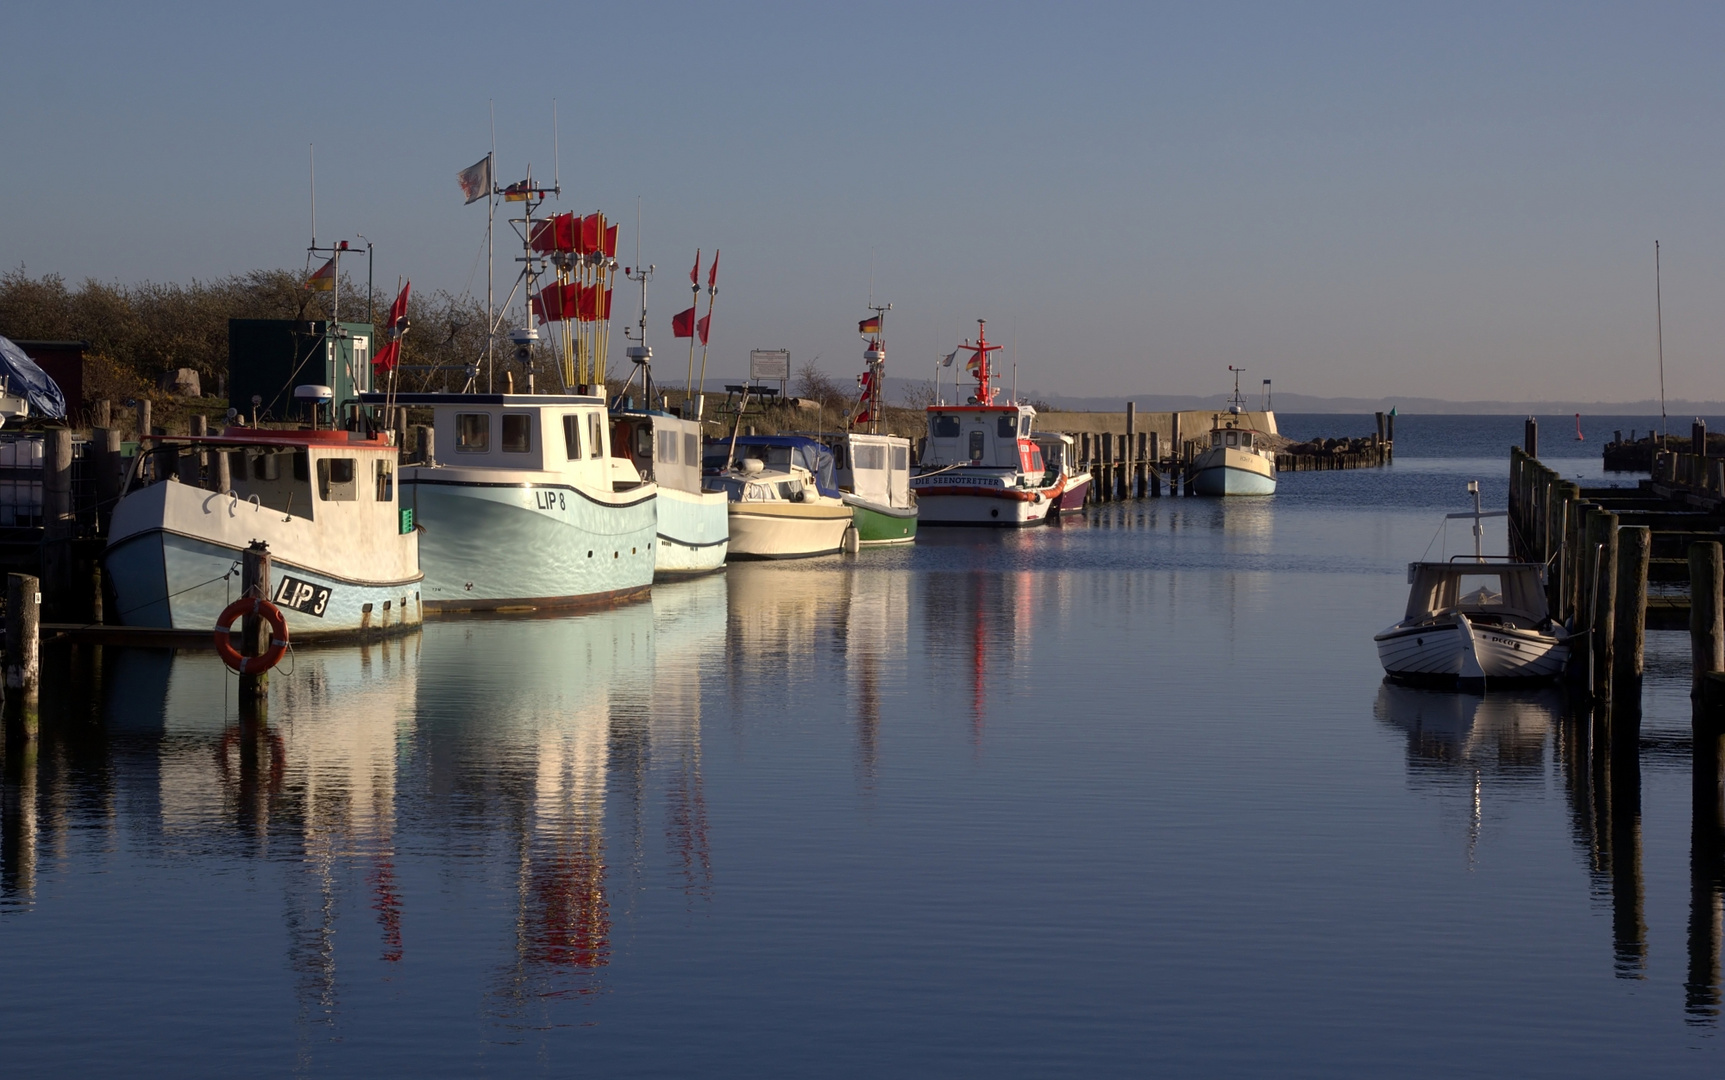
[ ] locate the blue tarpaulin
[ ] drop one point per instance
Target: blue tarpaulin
(26, 380)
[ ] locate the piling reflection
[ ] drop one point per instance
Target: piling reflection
(1701, 986)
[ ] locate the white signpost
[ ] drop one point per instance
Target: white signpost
(770, 365)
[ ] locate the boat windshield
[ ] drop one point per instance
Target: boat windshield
(1448, 587)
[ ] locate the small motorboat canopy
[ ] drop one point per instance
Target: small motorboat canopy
(780, 452)
(30, 382)
(1501, 588)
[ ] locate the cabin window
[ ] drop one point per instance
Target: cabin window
(976, 443)
(385, 481)
(691, 448)
(901, 458)
(945, 427)
(266, 467)
(595, 435)
(1246, 439)
(839, 457)
(517, 433)
(473, 432)
(757, 493)
(1233, 438)
(572, 436)
(1007, 427)
(1024, 426)
(335, 481)
(1479, 590)
(668, 447)
(788, 491)
(302, 466)
(1215, 438)
(869, 457)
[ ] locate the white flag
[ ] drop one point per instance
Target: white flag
(476, 181)
(949, 357)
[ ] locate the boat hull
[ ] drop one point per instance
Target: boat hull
(1467, 652)
(1233, 472)
(774, 530)
(694, 532)
(522, 546)
(170, 581)
(1077, 490)
(878, 525)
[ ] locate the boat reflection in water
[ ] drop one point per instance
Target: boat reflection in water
(781, 612)
(547, 756)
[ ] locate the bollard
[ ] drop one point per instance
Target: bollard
(1530, 437)
(255, 632)
(23, 648)
(1706, 619)
(102, 414)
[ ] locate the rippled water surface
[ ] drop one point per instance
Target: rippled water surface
(1125, 796)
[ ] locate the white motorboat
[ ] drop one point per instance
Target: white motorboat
(692, 525)
(1239, 460)
(779, 507)
(1474, 620)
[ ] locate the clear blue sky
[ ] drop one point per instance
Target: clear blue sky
(1453, 201)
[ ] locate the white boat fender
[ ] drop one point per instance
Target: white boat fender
(852, 542)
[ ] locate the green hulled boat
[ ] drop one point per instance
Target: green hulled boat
(877, 524)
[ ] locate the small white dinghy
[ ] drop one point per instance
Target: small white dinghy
(1475, 619)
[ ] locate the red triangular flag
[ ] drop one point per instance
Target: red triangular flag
(387, 357)
(713, 274)
(565, 226)
(548, 305)
(695, 273)
(398, 311)
(683, 323)
(543, 237)
(605, 315)
(701, 327)
(590, 235)
(611, 242)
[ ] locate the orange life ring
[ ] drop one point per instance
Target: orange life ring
(251, 665)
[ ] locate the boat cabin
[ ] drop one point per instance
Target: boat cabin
(661, 447)
(755, 482)
(311, 475)
(874, 467)
(1231, 438)
(1058, 452)
(991, 436)
(568, 434)
(1509, 593)
(776, 453)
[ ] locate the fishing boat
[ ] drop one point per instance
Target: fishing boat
(693, 523)
(528, 508)
(873, 470)
(980, 464)
(1058, 457)
(782, 497)
(1474, 620)
(344, 556)
(1239, 460)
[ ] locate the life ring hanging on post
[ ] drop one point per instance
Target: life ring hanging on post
(251, 665)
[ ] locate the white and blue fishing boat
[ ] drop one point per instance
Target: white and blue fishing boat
(1239, 460)
(523, 507)
(693, 529)
(344, 559)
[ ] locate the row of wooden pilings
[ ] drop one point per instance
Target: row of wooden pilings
(1128, 466)
(1598, 573)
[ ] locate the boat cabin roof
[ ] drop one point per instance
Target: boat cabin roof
(1511, 588)
(517, 401)
(324, 438)
(793, 451)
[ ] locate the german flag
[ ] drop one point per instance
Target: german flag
(870, 325)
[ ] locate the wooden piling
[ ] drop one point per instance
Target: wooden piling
(221, 471)
(254, 631)
(1634, 546)
(1105, 474)
(102, 414)
(1603, 529)
(104, 454)
(23, 648)
(57, 523)
(1706, 613)
(1530, 437)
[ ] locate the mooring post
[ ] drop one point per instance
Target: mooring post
(1530, 437)
(23, 649)
(221, 471)
(1603, 528)
(1706, 613)
(1698, 437)
(57, 522)
(1105, 475)
(255, 631)
(1380, 428)
(1634, 546)
(103, 455)
(1155, 458)
(102, 413)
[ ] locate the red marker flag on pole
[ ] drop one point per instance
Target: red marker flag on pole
(683, 323)
(611, 242)
(713, 274)
(591, 234)
(701, 327)
(387, 357)
(398, 311)
(605, 312)
(695, 273)
(543, 238)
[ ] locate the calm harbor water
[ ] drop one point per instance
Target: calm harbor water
(1123, 796)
